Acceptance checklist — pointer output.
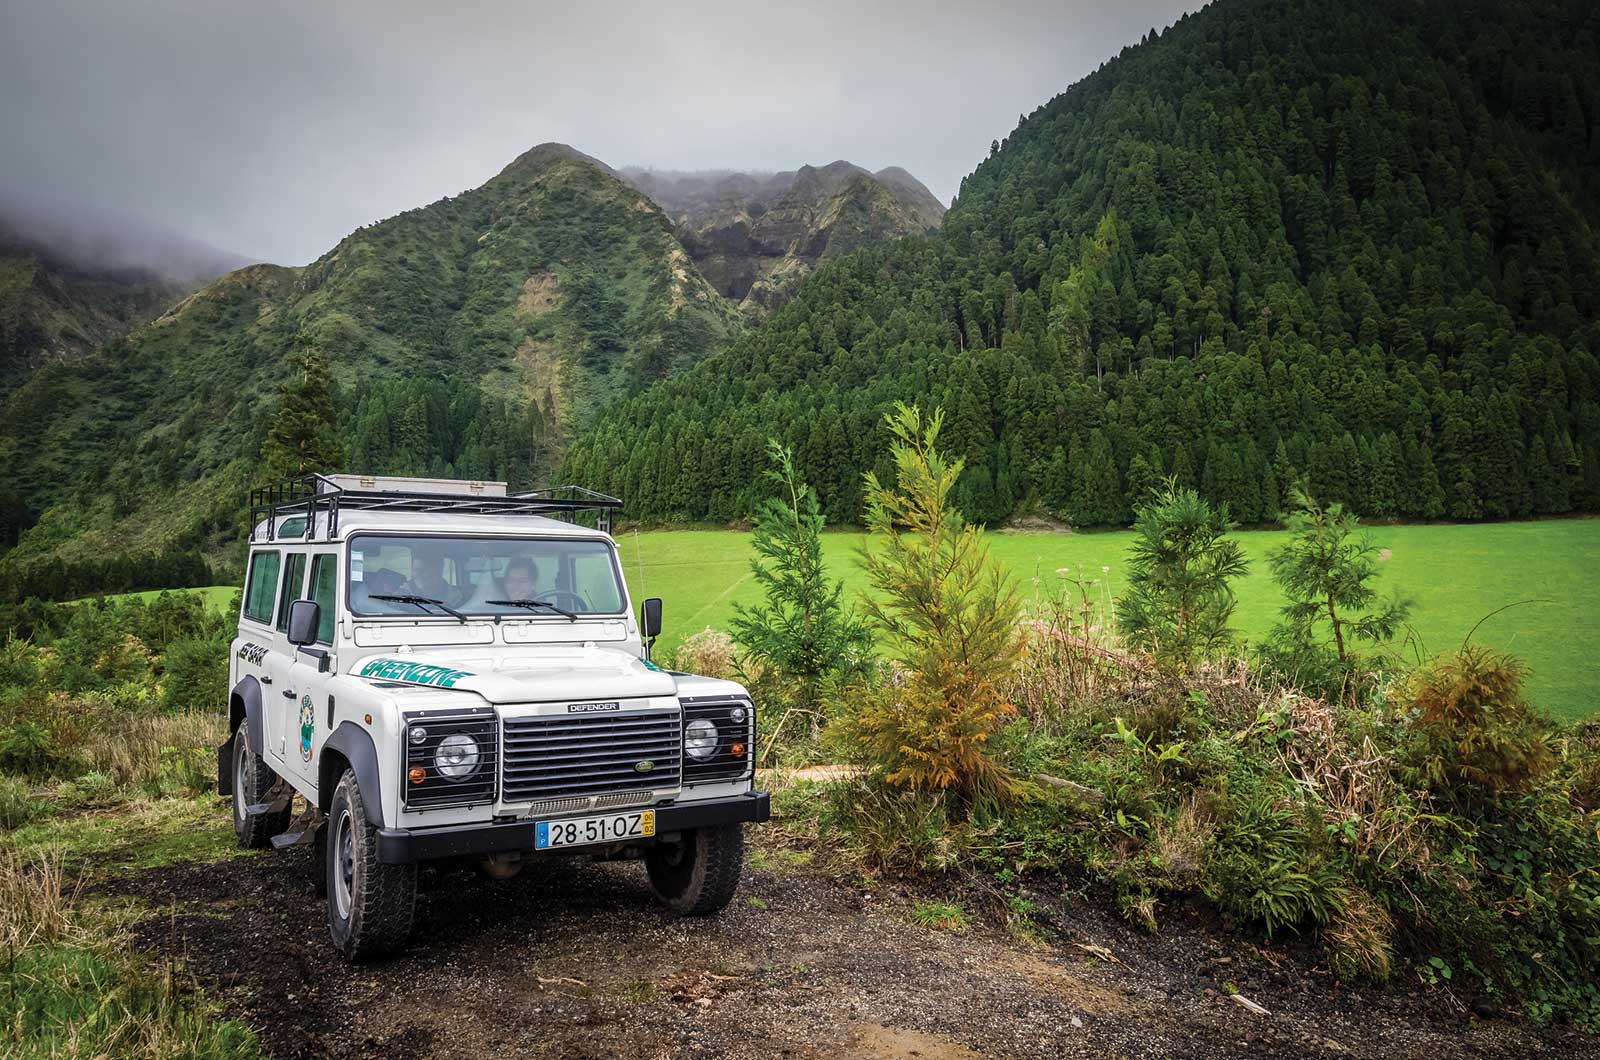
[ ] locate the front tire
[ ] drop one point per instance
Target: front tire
(698, 875)
(253, 781)
(370, 904)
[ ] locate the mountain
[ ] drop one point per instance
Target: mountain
(756, 236)
(73, 280)
(462, 338)
(1351, 243)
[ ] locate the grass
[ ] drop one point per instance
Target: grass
(217, 597)
(1455, 575)
(945, 916)
(141, 834)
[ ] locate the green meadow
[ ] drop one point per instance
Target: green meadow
(1455, 576)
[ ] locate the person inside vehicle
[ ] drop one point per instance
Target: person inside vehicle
(427, 577)
(521, 580)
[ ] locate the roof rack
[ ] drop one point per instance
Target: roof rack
(328, 495)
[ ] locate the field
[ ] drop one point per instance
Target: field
(1455, 576)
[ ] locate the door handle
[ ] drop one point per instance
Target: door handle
(266, 679)
(288, 693)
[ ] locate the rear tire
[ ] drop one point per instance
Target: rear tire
(253, 781)
(698, 875)
(370, 904)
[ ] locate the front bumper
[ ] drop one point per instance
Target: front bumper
(400, 846)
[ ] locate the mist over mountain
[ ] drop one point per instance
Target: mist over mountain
(74, 279)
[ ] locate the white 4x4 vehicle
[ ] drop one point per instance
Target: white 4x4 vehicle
(443, 670)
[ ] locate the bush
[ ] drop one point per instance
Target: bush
(18, 804)
(194, 675)
(1178, 604)
(1474, 734)
(29, 749)
(951, 612)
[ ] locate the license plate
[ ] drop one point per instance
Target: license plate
(582, 831)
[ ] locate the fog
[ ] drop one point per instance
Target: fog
(272, 130)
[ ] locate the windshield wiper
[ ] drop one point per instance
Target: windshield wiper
(419, 601)
(531, 604)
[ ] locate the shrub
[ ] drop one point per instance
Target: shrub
(18, 803)
(1326, 572)
(801, 629)
(951, 613)
(194, 675)
(1475, 734)
(709, 653)
(29, 749)
(893, 829)
(1178, 603)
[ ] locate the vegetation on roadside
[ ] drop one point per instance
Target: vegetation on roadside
(108, 723)
(1418, 823)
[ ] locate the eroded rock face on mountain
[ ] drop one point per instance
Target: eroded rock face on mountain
(756, 236)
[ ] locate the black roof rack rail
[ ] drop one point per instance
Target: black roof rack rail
(318, 494)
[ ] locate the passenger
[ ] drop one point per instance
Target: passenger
(427, 577)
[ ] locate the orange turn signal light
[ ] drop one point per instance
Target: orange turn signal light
(418, 774)
(736, 750)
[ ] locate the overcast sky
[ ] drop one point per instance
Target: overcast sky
(273, 129)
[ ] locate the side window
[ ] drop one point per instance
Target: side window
(293, 578)
(260, 586)
(324, 590)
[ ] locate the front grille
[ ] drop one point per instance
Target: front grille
(735, 721)
(436, 789)
(555, 756)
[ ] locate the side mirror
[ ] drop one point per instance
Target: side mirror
(650, 618)
(304, 618)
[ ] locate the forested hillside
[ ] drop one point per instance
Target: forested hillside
(1355, 242)
(461, 338)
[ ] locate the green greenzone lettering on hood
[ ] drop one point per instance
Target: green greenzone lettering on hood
(412, 672)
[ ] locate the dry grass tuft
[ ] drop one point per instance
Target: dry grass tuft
(708, 653)
(35, 900)
(153, 751)
(1181, 842)
(1361, 937)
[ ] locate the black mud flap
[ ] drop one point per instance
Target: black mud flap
(225, 766)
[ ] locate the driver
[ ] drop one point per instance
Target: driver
(521, 580)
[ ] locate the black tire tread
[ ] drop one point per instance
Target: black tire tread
(383, 908)
(718, 854)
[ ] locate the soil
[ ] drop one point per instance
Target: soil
(572, 959)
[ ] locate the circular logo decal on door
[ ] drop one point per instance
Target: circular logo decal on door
(308, 727)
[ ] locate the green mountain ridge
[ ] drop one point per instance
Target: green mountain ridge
(1351, 243)
(469, 337)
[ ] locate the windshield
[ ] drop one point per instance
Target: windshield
(465, 573)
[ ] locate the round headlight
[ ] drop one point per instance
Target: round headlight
(700, 739)
(419, 734)
(457, 755)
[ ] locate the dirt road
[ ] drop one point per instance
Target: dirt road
(572, 960)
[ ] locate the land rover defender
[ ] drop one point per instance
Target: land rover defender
(443, 669)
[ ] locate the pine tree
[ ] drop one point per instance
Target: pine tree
(802, 630)
(303, 437)
(1179, 601)
(1327, 571)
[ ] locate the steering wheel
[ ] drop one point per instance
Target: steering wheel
(567, 599)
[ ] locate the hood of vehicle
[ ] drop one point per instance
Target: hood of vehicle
(547, 674)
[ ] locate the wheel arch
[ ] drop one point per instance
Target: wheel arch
(244, 707)
(351, 747)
